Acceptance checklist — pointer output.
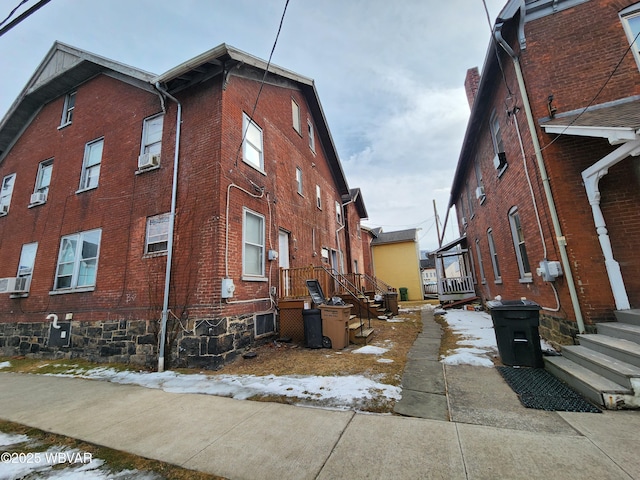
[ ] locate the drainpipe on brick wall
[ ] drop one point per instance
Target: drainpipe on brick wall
(562, 242)
(172, 216)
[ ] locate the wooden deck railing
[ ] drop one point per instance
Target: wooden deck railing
(456, 285)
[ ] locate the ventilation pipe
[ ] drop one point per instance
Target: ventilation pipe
(562, 242)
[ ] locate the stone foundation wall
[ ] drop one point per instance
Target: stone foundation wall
(208, 344)
(559, 331)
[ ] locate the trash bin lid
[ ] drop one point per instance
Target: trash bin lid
(512, 305)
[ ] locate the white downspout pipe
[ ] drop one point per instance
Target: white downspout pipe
(562, 242)
(172, 216)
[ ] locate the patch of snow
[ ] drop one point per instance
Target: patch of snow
(7, 439)
(384, 360)
(396, 320)
(5, 364)
(478, 344)
(371, 350)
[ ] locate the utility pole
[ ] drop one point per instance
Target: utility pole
(435, 211)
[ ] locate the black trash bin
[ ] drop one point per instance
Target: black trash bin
(312, 320)
(515, 323)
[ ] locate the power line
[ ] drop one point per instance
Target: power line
(22, 16)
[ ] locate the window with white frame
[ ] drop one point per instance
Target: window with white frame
(152, 134)
(470, 202)
(500, 159)
(43, 180)
(480, 262)
(157, 238)
(27, 259)
(67, 110)
(494, 257)
(318, 197)
(91, 164)
(6, 191)
(520, 245)
(252, 144)
(78, 260)
(253, 244)
(295, 116)
(339, 217)
(631, 22)
(312, 140)
(299, 180)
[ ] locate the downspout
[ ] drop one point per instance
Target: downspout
(172, 216)
(562, 242)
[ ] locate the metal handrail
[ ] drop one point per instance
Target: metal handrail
(345, 283)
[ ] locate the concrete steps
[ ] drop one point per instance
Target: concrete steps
(604, 367)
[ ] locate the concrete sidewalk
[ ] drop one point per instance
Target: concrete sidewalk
(489, 436)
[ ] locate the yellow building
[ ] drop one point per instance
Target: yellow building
(396, 261)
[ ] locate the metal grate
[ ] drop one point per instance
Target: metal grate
(537, 388)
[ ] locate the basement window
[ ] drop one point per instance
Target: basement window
(264, 324)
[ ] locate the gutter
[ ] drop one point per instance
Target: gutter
(562, 242)
(172, 216)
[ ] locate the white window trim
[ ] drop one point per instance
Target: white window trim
(312, 140)
(299, 185)
(68, 111)
(318, 197)
(631, 12)
(498, 147)
(252, 276)
(494, 257)
(26, 273)
(339, 214)
(295, 117)
(246, 122)
(83, 174)
(6, 199)
(38, 187)
(76, 264)
(160, 219)
(483, 276)
(525, 277)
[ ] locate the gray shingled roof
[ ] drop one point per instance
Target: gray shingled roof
(624, 114)
(395, 237)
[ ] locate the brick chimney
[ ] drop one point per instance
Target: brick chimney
(471, 84)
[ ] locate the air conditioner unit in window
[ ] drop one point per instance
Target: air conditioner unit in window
(500, 160)
(464, 221)
(148, 160)
(38, 197)
(4, 209)
(480, 195)
(14, 285)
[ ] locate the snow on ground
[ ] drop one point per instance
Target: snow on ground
(5, 365)
(478, 345)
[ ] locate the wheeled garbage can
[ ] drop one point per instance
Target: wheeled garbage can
(312, 319)
(515, 323)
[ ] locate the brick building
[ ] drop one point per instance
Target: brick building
(130, 201)
(546, 187)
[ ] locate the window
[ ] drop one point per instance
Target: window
(27, 259)
(152, 135)
(78, 260)
(264, 324)
(295, 114)
(519, 243)
(480, 263)
(494, 257)
(42, 182)
(318, 197)
(631, 22)
(339, 213)
(157, 239)
(252, 144)
(312, 141)
(6, 190)
(470, 201)
(299, 180)
(91, 164)
(500, 160)
(253, 245)
(67, 110)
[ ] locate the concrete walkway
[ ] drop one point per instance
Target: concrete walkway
(490, 434)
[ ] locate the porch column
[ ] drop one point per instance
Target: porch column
(591, 177)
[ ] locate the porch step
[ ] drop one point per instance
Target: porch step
(358, 334)
(624, 350)
(593, 386)
(609, 367)
(628, 316)
(625, 331)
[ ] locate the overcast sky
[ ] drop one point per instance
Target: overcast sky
(389, 74)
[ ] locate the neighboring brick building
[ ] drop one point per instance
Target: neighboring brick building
(90, 213)
(569, 62)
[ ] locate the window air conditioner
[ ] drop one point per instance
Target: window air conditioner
(14, 285)
(480, 193)
(500, 160)
(4, 209)
(148, 160)
(464, 221)
(38, 197)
